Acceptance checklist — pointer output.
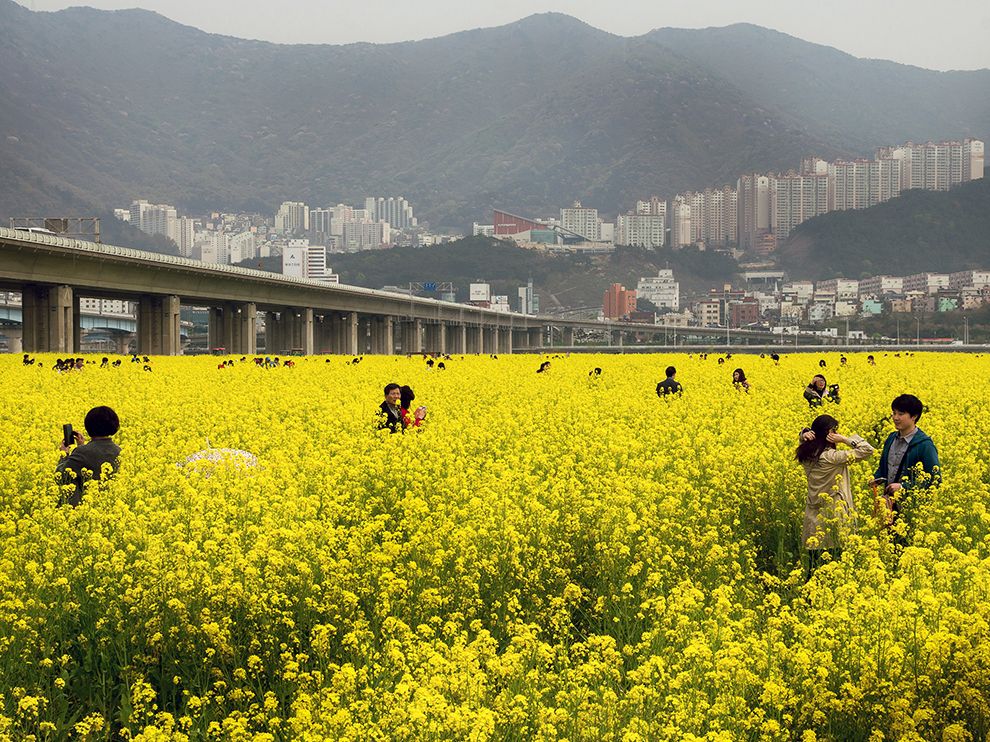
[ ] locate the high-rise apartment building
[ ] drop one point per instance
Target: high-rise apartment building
(364, 235)
(716, 220)
(681, 226)
(937, 166)
(640, 230)
(243, 246)
(654, 207)
(185, 236)
(292, 217)
(154, 218)
(581, 221)
(753, 209)
(797, 198)
(395, 210)
(319, 220)
(859, 184)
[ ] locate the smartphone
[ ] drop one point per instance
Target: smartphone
(68, 437)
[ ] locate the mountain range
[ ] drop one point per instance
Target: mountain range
(101, 107)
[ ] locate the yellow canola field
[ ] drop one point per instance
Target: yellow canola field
(550, 557)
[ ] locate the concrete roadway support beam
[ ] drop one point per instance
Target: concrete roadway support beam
(76, 325)
(323, 334)
(616, 338)
(520, 339)
(412, 336)
(382, 341)
(241, 322)
(365, 339)
(436, 338)
(568, 336)
(158, 325)
(273, 334)
(350, 335)
(306, 328)
(475, 340)
(505, 340)
(490, 335)
(535, 337)
(457, 339)
(48, 318)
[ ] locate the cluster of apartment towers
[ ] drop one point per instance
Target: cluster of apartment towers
(296, 228)
(762, 209)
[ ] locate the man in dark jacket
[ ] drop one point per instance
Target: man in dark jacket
(669, 385)
(906, 448)
(389, 412)
(87, 460)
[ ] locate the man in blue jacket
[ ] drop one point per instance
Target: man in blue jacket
(904, 449)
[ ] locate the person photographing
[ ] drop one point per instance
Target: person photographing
(86, 461)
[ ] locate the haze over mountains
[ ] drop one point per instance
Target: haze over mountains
(102, 107)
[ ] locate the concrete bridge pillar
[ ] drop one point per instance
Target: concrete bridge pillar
(382, 340)
(535, 337)
(158, 325)
(436, 338)
(568, 338)
(505, 340)
(350, 335)
(490, 335)
(457, 339)
(412, 336)
(49, 318)
(273, 329)
(475, 340)
(520, 339)
(323, 334)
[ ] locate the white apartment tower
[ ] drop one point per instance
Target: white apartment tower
(753, 209)
(292, 217)
(395, 210)
(582, 221)
(681, 228)
(797, 198)
(640, 230)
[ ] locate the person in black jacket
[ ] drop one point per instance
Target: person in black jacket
(818, 391)
(390, 414)
(669, 385)
(88, 459)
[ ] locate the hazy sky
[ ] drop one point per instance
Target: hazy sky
(949, 34)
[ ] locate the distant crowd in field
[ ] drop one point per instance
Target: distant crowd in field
(908, 460)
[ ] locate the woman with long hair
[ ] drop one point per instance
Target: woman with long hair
(829, 502)
(739, 380)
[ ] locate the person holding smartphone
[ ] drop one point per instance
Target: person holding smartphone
(86, 461)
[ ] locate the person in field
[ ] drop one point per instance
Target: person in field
(410, 418)
(909, 459)
(739, 380)
(390, 411)
(87, 460)
(829, 502)
(818, 391)
(669, 385)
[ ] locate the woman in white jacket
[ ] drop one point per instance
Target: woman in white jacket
(829, 503)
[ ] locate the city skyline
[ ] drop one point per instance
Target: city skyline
(867, 30)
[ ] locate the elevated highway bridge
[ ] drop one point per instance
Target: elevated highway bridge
(299, 315)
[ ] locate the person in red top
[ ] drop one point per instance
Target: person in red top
(410, 417)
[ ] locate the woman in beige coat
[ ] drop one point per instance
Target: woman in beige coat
(829, 503)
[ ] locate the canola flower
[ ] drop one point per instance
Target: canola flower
(550, 557)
